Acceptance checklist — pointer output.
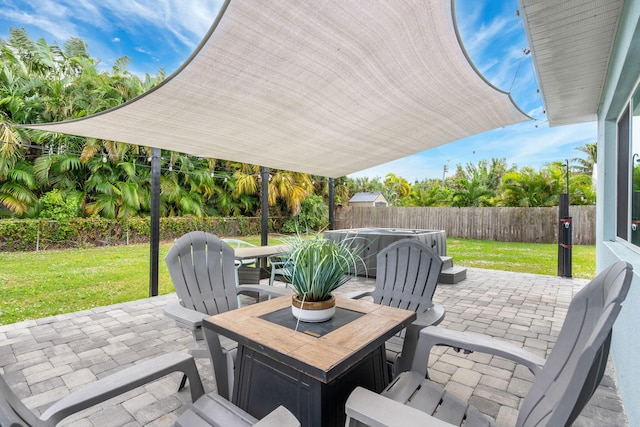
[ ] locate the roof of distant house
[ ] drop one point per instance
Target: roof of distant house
(365, 197)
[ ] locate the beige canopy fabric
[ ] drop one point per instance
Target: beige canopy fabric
(321, 87)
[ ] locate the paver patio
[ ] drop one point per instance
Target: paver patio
(44, 359)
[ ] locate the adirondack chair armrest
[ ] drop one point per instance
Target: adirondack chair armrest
(356, 294)
(376, 410)
(431, 317)
(470, 342)
(279, 417)
(273, 291)
(214, 410)
(125, 380)
(184, 316)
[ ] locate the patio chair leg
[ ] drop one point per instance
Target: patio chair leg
(183, 382)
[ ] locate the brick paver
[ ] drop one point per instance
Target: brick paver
(44, 359)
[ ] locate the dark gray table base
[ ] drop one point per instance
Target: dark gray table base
(262, 384)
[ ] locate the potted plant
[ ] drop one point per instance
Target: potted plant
(315, 268)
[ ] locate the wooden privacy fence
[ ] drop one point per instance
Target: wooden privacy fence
(533, 225)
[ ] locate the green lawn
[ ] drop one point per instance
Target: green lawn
(520, 257)
(41, 284)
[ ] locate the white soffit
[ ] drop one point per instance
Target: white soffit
(322, 87)
(571, 42)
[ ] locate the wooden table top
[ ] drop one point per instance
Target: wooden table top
(322, 357)
(259, 251)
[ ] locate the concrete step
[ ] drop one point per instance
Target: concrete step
(447, 262)
(452, 275)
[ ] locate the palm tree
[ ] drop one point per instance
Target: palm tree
(395, 189)
(581, 190)
(41, 82)
(585, 166)
(488, 175)
(291, 188)
(16, 192)
(186, 185)
(365, 184)
(429, 192)
(472, 193)
(530, 188)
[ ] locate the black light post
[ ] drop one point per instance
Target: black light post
(155, 221)
(564, 232)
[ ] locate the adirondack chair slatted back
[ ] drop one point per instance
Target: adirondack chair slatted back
(577, 362)
(14, 413)
(203, 273)
(407, 275)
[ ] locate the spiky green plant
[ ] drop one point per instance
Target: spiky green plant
(317, 266)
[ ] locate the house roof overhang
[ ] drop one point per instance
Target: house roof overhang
(327, 88)
(571, 43)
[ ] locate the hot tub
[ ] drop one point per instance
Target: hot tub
(375, 239)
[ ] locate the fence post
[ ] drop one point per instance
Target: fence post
(38, 237)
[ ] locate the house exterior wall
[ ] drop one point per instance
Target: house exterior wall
(622, 78)
(363, 204)
(379, 201)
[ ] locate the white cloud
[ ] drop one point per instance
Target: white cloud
(166, 31)
(59, 29)
(520, 144)
(485, 35)
(184, 21)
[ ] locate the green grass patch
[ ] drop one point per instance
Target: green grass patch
(520, 257)
(40, 284)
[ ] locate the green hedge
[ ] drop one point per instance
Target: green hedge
(41, 234)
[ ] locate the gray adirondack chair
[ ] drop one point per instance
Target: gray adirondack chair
(14, 413)
(407, 276)
(563, 385)
(212, 409)
(202, 269)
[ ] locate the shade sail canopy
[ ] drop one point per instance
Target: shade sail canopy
(321, 87)
(571, 43)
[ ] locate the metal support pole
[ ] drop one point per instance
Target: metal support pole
(332, 196)
(265, 207)
(155, 221)
(264, 218)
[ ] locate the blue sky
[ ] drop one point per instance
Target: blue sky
(162, 33)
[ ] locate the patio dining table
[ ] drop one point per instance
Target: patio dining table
(254, 274)
(259, 251)
(310, 368)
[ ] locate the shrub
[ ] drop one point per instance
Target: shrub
(313, 216)
(65, 233)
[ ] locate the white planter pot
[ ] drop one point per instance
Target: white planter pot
(313, 312)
